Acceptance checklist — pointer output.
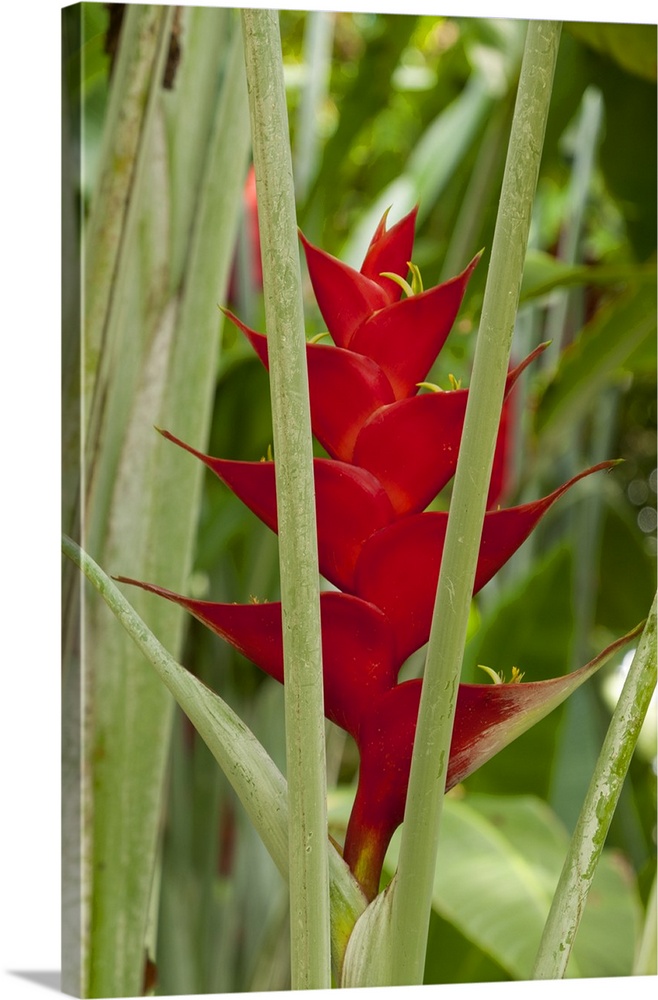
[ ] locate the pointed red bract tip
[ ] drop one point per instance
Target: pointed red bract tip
(253, 629)
(398, 569)
(488, 717)
(355, 492)
(257, 340)
(357, 648)
(390, 250)
(405, 338)
(412, 445)
(345, 297)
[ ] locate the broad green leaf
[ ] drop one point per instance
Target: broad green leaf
(597, 357)
(543, 273)
(499, 862)
(514, 628)
(632, 46)
(624, 556)
(452, 958)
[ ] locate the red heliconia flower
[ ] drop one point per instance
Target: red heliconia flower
(391, 450)
(411, 445)
(488, 718)
(347, 297)
(365, 324)
(365, 549)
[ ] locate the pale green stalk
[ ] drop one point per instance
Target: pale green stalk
(87, 364)
(318, 41)
(298, 559)
(151, 361)
(412, 891)
(480, 187)
(598, 809)
(129, 123)
(254, 776)
(585, 147)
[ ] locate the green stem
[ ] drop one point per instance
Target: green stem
(305, 748)
(412, 892)
(253, 775)
(482, 183)
(318, 41)
(586, 142)
(646, 963)
(598, 809)
(129, 123)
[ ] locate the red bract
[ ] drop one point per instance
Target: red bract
(347, 297)
(357, 651)
(488, 717)
(398, 567)
(391, 450)
(412, 445)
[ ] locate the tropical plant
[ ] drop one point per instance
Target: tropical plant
(370, 506)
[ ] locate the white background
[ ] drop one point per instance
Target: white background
(30, 366)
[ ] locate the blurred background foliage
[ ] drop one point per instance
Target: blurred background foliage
(411, 109)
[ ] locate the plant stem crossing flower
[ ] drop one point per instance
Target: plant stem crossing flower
(391, 449)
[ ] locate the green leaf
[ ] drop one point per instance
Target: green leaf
(257, 781)
(529, 626)
(598, 356)
(452, 958)
(631, 46)
(543, 273)
(431, 164)
(624, 556)
(499, 863)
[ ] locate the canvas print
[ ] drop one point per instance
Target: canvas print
(359, 500)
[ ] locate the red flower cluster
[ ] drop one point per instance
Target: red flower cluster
(391, 450)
